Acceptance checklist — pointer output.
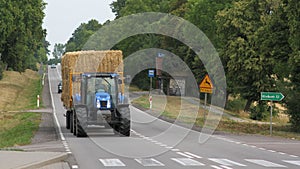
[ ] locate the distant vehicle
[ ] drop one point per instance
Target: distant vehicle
(53, 66)
(59, 87)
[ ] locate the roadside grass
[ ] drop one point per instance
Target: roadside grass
(18, 93)
(169, 107)
(18, 128)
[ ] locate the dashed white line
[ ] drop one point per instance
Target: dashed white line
(264, 163)
(293, 156)
(193, 155)
(272, 151)
(216, 167)
(175, 150)
(225, 167)
(187, 162)
(226, 162)
(183, 154)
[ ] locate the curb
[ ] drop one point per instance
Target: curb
(39, 164)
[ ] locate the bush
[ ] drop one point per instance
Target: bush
(261, 112)
(2, 69)
(236, 105)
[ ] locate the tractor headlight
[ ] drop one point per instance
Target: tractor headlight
(108, 104)
(98, 103)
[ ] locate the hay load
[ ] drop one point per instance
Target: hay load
(74, 63)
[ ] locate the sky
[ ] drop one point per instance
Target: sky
(64, 16)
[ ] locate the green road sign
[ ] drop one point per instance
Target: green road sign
(271, 96)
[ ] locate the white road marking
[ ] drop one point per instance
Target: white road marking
(272, 151)
(193, 155)
(226, 162)
(216, 167)
(54, 113)
(264, 163)
(293, 156)
(175, 149)
(187, 162)
(282, 153)
(169, 147)
(75, 166)
(112, 162)
(225, 167)
(262, 148)
(183, 154)
(150, 162)
(292, 162)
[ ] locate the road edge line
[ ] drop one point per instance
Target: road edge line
(54, 112)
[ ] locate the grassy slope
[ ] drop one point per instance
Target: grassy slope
(18, 92)
(170, 106)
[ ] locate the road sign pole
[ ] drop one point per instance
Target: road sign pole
(150, 96)
(271, 118)
(205, 101)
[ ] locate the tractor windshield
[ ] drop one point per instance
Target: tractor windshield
(102, 84)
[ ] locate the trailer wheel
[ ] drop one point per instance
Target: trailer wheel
(71, 122)
(74, 124)
(79, 130)
(123, 127)
(68, 119)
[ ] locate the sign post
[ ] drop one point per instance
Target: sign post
(206, 86)
(150, 75)
(271, 96)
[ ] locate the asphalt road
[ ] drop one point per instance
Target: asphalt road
(158, 144)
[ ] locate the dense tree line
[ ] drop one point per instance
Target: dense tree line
(22, 38)
(257, 40)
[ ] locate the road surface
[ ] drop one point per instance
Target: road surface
(158, 144)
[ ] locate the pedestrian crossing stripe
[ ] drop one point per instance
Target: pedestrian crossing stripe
(292, 162)
(149, 162)
(112, 162)
(187, 162)
(226, 162)
(264, 163)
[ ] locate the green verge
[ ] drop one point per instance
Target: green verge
(225, 125)
(18, 128)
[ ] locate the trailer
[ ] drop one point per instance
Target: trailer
(93, 92)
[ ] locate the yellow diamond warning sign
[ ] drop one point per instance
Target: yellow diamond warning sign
(206, 85)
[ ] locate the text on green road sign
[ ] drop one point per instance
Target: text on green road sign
(271, 96)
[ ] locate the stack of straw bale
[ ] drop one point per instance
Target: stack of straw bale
(75, 63)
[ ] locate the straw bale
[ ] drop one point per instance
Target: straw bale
(87, 61)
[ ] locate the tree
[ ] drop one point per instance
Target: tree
(58, 51)
(22, 33)
(293, 100)
(81, 35)
(250, 55)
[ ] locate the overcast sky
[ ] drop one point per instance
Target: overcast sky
(64, 16)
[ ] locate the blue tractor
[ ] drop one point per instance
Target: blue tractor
(100, 103)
